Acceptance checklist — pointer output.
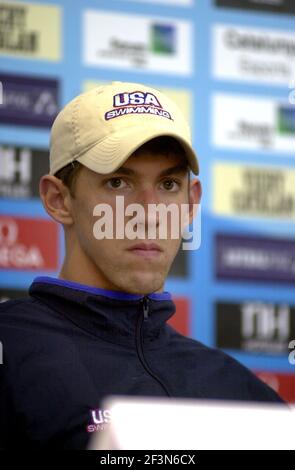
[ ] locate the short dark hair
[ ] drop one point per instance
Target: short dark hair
(165, 145)
(68, 174)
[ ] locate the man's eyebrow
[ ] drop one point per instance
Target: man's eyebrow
(180, 168)
(123, 170)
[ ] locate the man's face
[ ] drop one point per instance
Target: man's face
(146, 178)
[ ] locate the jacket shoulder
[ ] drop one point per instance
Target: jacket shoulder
(15, 310)
(15, 304)
(222, 376)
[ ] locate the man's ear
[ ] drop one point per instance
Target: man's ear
(195, 195)
(56, 199)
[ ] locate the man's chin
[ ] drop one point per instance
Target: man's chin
(143, 284)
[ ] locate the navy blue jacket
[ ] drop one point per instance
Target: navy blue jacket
(67, 346)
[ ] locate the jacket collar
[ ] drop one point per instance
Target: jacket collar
(111, 315)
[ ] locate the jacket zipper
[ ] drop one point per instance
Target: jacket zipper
(143, 317)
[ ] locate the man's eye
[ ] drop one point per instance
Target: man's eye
(170, 185)
(116, 183)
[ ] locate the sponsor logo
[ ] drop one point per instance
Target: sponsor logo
(13, 19)
(253, 123)
(136, 102)
(29, 101)
(136, 41)
(240, 40)
(255, 55)
(275, 6)
(255, 258)
(254, 191)
(20, 171)
(30, 30)
(262, 134)
(246, 122)
(99, 419)
(257, 327)
(286, 120)
(28, 244)
(163, 38)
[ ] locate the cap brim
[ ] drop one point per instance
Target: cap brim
(110, 153)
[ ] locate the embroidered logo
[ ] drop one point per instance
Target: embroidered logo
(99, 420)
(137, 102)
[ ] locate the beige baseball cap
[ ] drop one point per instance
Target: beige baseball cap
(104, 126)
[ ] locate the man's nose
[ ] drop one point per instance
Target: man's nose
(148, 196)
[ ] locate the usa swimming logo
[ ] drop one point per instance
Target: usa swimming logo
(99, 419)
(136, 102)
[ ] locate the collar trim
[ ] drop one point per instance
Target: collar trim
(99, 291)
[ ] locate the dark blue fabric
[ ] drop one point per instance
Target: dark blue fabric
(98, 291)
(67, 346)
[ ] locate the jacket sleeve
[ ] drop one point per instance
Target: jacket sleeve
(263, 392)
(6, 407)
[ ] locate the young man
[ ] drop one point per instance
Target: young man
(100, 328)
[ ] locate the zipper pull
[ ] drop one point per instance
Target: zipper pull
(145, 304)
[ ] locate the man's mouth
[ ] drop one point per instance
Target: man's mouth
(146, 249)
